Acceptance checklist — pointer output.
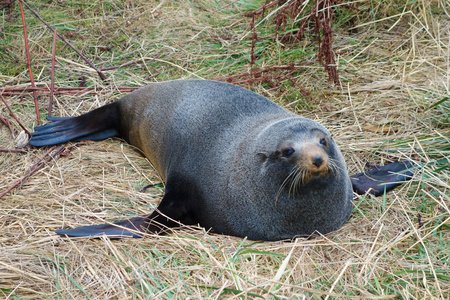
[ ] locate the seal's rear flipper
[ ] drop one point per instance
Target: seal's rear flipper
(383, 179)
(98, 124)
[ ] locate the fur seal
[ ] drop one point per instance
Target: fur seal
(232, 161)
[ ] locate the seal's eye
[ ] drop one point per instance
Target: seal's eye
(323, 142)
(288, 151)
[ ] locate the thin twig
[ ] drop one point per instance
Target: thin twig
(262, 8)
(321, 15)
(290, 67)
(27, 50)
(52, 82)
(223, 7)
(102, 76)
(126, 64)
(346, 5)
(6, 122)
(14, 116)
(12, 151)
(38, 162)
(37, 168)
(64, 90)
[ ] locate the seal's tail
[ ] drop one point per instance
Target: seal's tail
(98, 124)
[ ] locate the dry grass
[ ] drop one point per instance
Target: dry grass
(392, 70)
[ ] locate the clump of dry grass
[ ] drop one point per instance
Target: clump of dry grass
(392, 70)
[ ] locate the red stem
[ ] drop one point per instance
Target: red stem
(6, 122)
(102, 76)
(27, 50)
(63, 90)
(126, 64)
(37, 168)
(12, 151)
(14, 116)
(52, 83)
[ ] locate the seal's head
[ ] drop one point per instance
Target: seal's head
(309, 159)
(290, 180)
(304, 153)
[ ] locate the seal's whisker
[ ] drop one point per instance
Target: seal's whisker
(334, 167)
(300, 178)
(283, 185)
(295, 173)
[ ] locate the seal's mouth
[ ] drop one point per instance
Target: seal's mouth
(300, 176)
(318, 174)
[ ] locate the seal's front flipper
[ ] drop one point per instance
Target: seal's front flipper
(98, 124)
(126, 228)
(171, 212)
(156, 223)
(383, 179)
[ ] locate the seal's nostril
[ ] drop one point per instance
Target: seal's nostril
(317, 160)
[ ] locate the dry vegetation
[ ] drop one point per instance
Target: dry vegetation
(393, 60)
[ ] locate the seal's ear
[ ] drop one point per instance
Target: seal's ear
(263, 156)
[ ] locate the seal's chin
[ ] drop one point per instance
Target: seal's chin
(309, 172)
(298, 178)
(314, 176)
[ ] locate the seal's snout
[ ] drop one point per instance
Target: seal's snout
(310, 161)
(317, 160)
(314, 159)
(316, 163)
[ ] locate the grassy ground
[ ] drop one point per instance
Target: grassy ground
(393, 103)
